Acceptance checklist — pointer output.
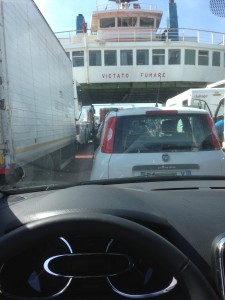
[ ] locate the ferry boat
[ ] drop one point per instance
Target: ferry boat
(125, 56)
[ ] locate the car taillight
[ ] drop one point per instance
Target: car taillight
(109, 136)
(215, 138)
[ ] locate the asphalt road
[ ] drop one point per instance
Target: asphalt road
(79, 169)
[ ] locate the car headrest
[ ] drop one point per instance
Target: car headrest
(169, 126)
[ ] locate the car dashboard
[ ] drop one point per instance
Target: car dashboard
(86, 261)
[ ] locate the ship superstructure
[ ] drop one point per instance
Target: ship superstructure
(126, 56)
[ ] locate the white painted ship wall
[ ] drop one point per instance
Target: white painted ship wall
(188, 39)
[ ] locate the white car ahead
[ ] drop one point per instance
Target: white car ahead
(158, 142)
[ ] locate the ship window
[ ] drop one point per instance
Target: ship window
(126, 57)
(142, 57)
(174, 56)
(107, 22)
(158, 56)
(203, 58)
(190, 57)
(95, 58)
(158, 22)
(216, 59)
(78, 58)
(146, 22)
(110, 58)
(127, 22)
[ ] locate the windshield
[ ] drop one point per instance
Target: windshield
(102, 90)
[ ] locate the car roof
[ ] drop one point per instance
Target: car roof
(143, 110)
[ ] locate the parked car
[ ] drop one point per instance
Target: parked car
(83, 133)
(158, 142)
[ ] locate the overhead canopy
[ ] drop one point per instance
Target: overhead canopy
(133, 92)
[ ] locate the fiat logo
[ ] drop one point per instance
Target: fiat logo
(165, 157)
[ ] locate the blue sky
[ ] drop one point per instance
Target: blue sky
(61, 14)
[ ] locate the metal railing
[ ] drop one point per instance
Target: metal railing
(130, 6)
(143, 34)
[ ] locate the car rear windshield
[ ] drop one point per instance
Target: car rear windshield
(164, 132)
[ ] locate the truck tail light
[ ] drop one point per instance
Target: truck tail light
(215, 138)
(108, 136)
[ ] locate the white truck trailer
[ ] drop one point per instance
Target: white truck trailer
(37, 112)
(205, 98)
(210, 98)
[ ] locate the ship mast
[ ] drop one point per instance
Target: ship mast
(173, 21)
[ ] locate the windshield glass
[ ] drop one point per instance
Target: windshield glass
(101, 90)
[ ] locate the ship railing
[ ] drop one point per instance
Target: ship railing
(130, 6)
(140, 34)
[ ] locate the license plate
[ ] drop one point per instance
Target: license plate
(155, 173)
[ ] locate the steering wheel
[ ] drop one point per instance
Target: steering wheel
(94, 224)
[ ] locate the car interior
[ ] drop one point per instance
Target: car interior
(114, 241)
